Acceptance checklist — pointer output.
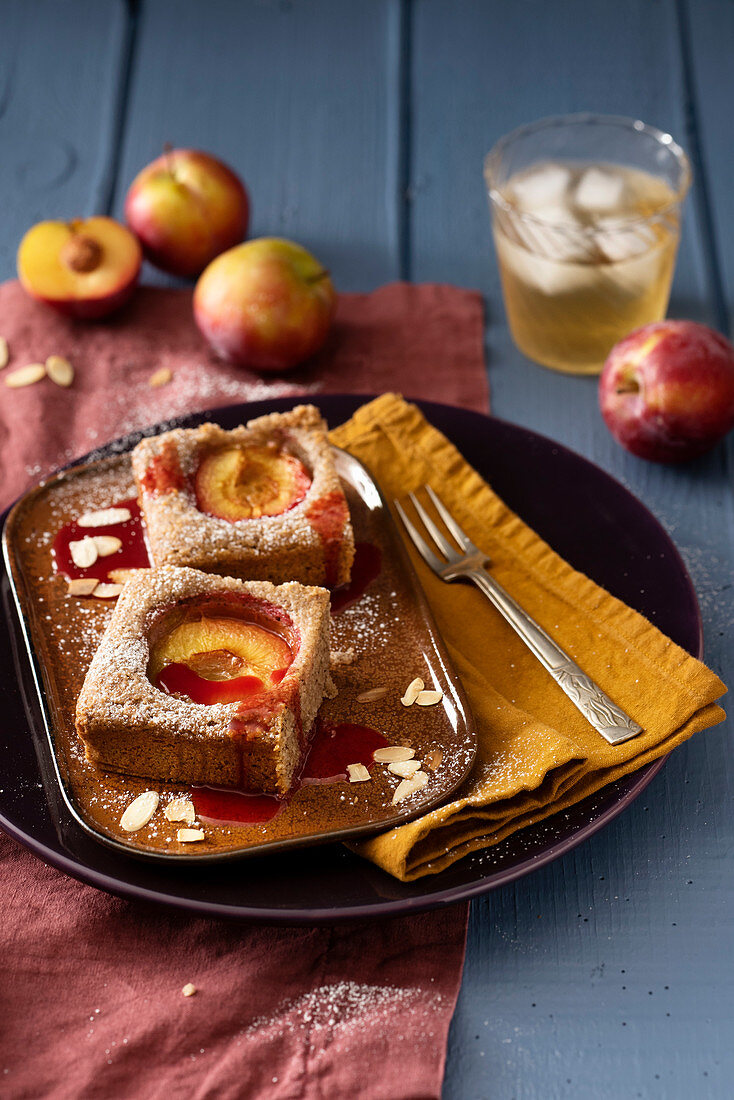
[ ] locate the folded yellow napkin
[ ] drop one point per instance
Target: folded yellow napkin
(537, 754)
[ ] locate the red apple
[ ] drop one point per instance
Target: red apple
(85, 268)
(667, 390)
(266, 304)
(186, 207)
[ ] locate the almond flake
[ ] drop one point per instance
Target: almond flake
(392, 753)
(4, 352)
(107, 544)
(119, 576)
(189, 989)
(25, 376)
(140, 811)
(413, 690)
(107, 591)
(105, 517)
(358, 773)
(181, 809)
(83, 552)
(82, 586)
(404, 768)
(407, 787)
(160, 377)
(428, 698)
(433, 760)
(190, 836)
(59, 370)
(372, 695)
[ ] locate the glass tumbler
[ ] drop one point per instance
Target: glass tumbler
(586, 216)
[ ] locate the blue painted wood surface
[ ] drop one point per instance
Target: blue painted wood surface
(360, 129)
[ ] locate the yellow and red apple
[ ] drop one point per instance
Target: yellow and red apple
(186, 207)
(667, 390)
(248, 482)
(85, 268)
(267, 304)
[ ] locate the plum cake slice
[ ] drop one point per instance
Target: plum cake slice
(261, 502)
(207, 679)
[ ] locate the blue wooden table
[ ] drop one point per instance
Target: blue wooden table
(360, 129)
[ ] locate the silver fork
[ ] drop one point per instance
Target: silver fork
(605, 716)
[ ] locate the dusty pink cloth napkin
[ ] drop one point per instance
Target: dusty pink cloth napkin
(422, 341)
(90, 985)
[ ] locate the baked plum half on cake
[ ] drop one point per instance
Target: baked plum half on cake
(207, 679)
(262, 502)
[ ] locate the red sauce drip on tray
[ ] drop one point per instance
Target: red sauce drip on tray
(234, 807)
(327, 516)
(334, 747)
(163, 473)
(133, 554)
(366, 566)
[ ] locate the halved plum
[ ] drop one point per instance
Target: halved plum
(248, 482)
(85, 268)
(218, 659)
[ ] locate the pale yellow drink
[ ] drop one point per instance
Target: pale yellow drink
(586, 254)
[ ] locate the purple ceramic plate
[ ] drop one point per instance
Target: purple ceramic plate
(609, 535)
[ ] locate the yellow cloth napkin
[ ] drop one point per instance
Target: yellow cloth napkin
(537, 754)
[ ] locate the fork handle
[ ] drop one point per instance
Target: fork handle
(605, 716)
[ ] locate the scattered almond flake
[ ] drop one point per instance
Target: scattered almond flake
(358, 773)
(407, 787)
(342, 657)
(372, 695)
(428, 698)
(190, 836)
(161, 377)
(82, 586)
(4, 352)
(140, 811)
(107, 591)
(119, 576)
(433, 760)
(59, 370)
(189, 989)
(107, 544)
(391, 753)
(25, 376)
(181, 809)
(413, 690)
(83, 552)
(105, 517)
(404, 768)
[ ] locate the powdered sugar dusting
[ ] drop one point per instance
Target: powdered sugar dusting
(194, 388)
(345, 1007)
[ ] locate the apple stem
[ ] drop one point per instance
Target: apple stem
(317, 278)
(167, 150)
(630, 386)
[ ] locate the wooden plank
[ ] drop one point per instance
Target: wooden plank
(299, 98)
(546, 1009)
(475, 77)
(710, 36)
(61, 66)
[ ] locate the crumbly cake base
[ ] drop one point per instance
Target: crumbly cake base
(127, 725)
(276, 548)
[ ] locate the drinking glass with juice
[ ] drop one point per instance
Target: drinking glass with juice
(586, 221)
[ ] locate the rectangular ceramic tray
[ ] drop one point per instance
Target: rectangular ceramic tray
(384, 639)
